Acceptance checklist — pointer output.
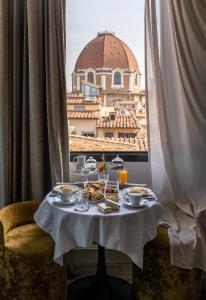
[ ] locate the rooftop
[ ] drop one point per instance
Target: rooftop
(81, 100)
(106, 51)
(83, 143)
(121, 121)
(88, 114)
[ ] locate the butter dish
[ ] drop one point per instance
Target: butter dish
(104, 208)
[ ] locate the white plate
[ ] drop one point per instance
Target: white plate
(57, 188)
(142, 203)
(145, 191)
(57, 200)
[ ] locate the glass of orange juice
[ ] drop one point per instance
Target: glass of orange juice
(123, 176)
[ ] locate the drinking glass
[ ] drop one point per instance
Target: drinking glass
(103, 176)
(122, 176)
(81, 201)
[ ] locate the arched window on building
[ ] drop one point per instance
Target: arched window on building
(117, 78)
(90, 77)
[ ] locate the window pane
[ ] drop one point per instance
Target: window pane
(79, 108)
(106, 98)
(117, 78)
(109, 134)
(90, 77)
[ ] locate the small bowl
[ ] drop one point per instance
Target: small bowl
(66, 190)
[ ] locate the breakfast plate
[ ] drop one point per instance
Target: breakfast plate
(94, 191)
(145, 192)
(65, 188)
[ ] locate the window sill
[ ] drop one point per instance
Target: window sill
(126, 156)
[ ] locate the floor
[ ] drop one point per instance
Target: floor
(84, 264)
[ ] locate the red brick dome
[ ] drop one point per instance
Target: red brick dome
(106, 51)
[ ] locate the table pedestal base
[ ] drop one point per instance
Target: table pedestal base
(111, 288)
(101, 286)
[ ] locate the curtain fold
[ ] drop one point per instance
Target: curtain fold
(33, 118)
(176, 80)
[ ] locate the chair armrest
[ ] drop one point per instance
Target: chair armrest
(17, 214)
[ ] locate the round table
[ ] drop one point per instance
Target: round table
(127, 230)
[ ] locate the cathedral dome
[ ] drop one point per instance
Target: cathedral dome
(106, 51)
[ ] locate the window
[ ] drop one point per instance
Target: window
(90, 77)
(117, 78)
(103, 69)
(79, 108)
(89, 92)
(126, 135)
(109, 134)
(88, 133)
(112, 116)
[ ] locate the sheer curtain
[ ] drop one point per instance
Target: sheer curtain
(33, 120)
(176, 83)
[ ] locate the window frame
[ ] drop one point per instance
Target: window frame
(87, 71)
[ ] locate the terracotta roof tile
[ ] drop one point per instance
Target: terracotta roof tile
(82, 143)
(88, 114)
(127, 121)
(81, 100)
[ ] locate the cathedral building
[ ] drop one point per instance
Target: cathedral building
(109, 64)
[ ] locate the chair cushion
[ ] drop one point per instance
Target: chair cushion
(159, 279)
(161, 240)
(30, 241)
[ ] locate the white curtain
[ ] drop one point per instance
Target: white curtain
(175, 38)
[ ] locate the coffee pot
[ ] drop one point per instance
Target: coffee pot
(79, 162)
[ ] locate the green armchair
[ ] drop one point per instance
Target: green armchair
(159, 280)
(27, 269)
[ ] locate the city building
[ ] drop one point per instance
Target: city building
(109, 63)
(107, 102)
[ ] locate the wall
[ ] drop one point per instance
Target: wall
(81, 125)
(88, 106)
(101, 131)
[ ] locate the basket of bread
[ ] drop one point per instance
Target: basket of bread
(94, 190)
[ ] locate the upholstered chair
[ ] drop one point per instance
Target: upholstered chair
(161, 281)
(27, 269)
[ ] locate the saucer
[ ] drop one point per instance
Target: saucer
(142, 203)
(57, 200)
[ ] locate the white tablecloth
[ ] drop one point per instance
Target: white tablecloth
(127, 230)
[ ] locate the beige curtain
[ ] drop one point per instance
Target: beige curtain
(33, 122)
(176, 81)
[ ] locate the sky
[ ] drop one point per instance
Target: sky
(84, 18)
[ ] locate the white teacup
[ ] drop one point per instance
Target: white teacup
(134, 198)
(64, 197)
